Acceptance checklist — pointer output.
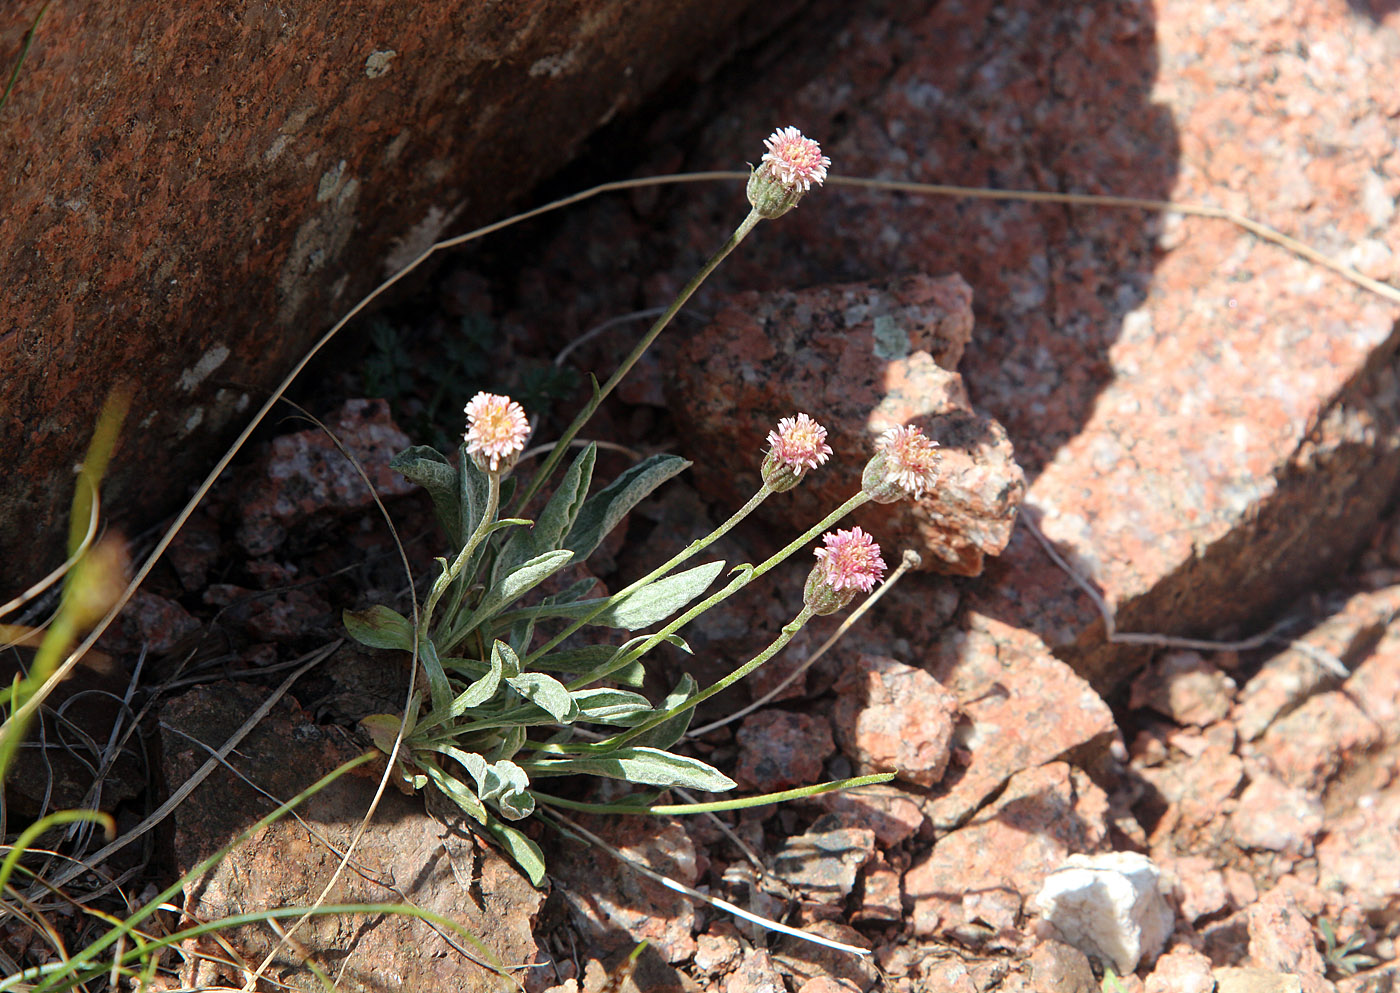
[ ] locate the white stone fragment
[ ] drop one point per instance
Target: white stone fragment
(1108, 906)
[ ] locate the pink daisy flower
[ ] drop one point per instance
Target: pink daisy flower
(912, 460)
(851, 559)
(799, 443)
(496, 429)
(796, 160)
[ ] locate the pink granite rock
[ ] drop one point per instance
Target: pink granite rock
(890, 812)
(823, 862)
(881, 896)
(779, 750)
(157, 623)
(1359, 852)
(1273, 816)
(304, 474)
(859, 358)
(196, 195)
(1295, 673)
(1197, 784)
(1206, 419)
(890, 717)
(1181, 970)
(1182, 685)
(1019, 706)
(755, 974)
(1200, 887)
(616, 907)
(1009, 847)
(1311, 744)
(1282, 938)
(404, 854)
(1054, 965)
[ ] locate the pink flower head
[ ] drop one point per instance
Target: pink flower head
(911, 460)
(795, 159)
(799, 443)
(851, 560)
(496, 429)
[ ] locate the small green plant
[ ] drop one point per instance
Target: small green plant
(502, 709)
(1346, 958)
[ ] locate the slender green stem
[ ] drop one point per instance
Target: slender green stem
(734, 585)
(562, 445)
(449, 573)
(778, 644)
(695, 546)
(24, 53)
(746, 576)
(739, 803)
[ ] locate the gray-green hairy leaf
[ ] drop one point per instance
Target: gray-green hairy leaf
(379, 626)
(657, 601)
(589, 658)
(430, 469)
(521, 849)
(667, 733)
(647, 766)
(603, 705)
(602, 511)
(547, 693)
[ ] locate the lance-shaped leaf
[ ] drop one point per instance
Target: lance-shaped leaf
(588, 658)
(641, 608)
(502, 783)
(454, 789)
(604, 705)
(647, 766)
(554, 521)
(379, 626)
(479, 691)
(518, 583)
(603, 510)
(657, 601)
(667, 733)
(473, 488)
(520, 848)
(430, 469)
(547, 693)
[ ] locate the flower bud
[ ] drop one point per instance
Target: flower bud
(496, 431)
(849, 561)
(904, 465)
(786, 172)
(797, 445)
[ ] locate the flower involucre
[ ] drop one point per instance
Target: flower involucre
(851, 559)
(496, 429)
(795, 159)
(912, 459)
(799, 443)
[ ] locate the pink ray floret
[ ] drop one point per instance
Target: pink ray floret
(496, 427)
(799, 443)
(913, 459)
(852, 560)
(795, 159)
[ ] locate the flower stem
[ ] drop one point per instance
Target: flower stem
(695, 546)
(670, 312)
(737, 583)
(449, 573)
(778, 644)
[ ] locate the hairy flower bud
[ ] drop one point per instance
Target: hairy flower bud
(796, 446)
(849, 562)
(786, 172)
(496, 431)
(904, 465)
